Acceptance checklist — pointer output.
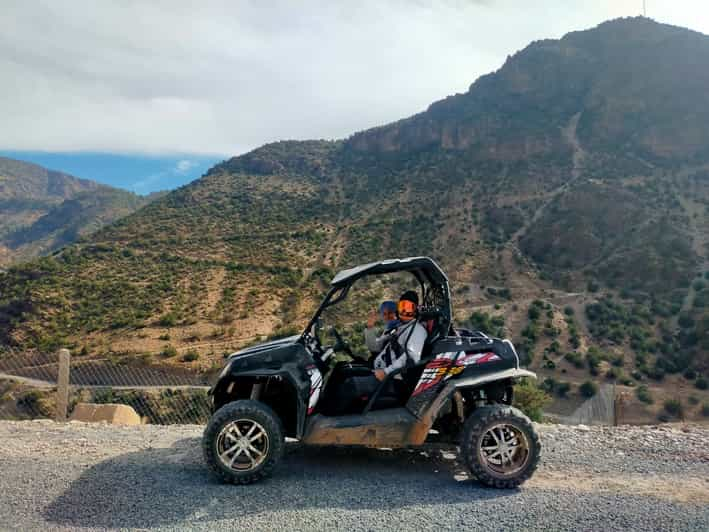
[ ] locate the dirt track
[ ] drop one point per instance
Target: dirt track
(67, 476)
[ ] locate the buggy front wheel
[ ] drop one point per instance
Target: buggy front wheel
(500, 446)
(243, 441)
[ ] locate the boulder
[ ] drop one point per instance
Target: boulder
(113, 414)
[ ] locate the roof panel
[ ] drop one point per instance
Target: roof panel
(424, 264)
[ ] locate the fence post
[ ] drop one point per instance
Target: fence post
(62, 385)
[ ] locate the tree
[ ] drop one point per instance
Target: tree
(531, 399)
(588, 389)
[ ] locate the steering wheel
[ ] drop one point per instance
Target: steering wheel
(340, 344)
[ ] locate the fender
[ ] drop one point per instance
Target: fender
(472, 382)
(419, 431)
(300, 386)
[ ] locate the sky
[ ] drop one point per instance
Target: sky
(148, 95)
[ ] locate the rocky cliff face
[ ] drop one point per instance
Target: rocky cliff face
(641, 88)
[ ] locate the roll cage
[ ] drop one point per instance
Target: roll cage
(436, 301)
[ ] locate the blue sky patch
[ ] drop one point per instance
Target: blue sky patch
(139, 173)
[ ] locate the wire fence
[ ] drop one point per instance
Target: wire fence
(29, 387)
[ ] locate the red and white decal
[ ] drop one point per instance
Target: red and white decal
(434, 372)
(476, 358)
(440, 367)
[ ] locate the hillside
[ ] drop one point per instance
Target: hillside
(565, 194)
(42, 210)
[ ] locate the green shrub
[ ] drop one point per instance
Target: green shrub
(534, 313)
(643, 394)
(569, 311)
(588, 389)
(283, 332)
(531, 399)
(693, 400)
(701, 383)
(492, 325)
(574, 358)
(689, 374)
(563, 388)
(674, 407)
(169, 351)
(531, 332)
(190, 356)
(38, 403)
(685, 320)
(574, 340)
(705, 409)
(549, 385)
(551, 331)
(614, 374)
(168, 320)
(617, 361)
(656, 372)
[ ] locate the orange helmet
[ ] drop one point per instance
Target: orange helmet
(406, 308)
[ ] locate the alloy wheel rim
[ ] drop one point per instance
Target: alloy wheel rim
(504, 450)
(242, 445)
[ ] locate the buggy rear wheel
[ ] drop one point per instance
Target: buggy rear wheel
(243, 441)
(500, 446)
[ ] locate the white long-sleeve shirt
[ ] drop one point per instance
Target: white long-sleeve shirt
(411, 336)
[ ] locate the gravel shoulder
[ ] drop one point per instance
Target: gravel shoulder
(62, 476)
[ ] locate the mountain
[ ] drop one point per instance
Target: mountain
(565, 194)
(42, 210)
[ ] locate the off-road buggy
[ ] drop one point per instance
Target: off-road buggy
(461, 390)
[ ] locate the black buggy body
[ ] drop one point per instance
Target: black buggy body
(461, 390)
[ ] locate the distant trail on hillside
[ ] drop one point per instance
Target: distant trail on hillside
(579, 154)
(577, 159)
(329, 246)
(700, 240)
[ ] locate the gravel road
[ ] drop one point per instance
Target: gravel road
(75, 475)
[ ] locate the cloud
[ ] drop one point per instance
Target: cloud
(221, 77)
(184, 166)
(167, 176)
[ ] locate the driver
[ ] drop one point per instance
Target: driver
(403, 343)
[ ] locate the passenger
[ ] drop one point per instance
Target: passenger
(374, 341)
(401, 344)
(388, 311)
